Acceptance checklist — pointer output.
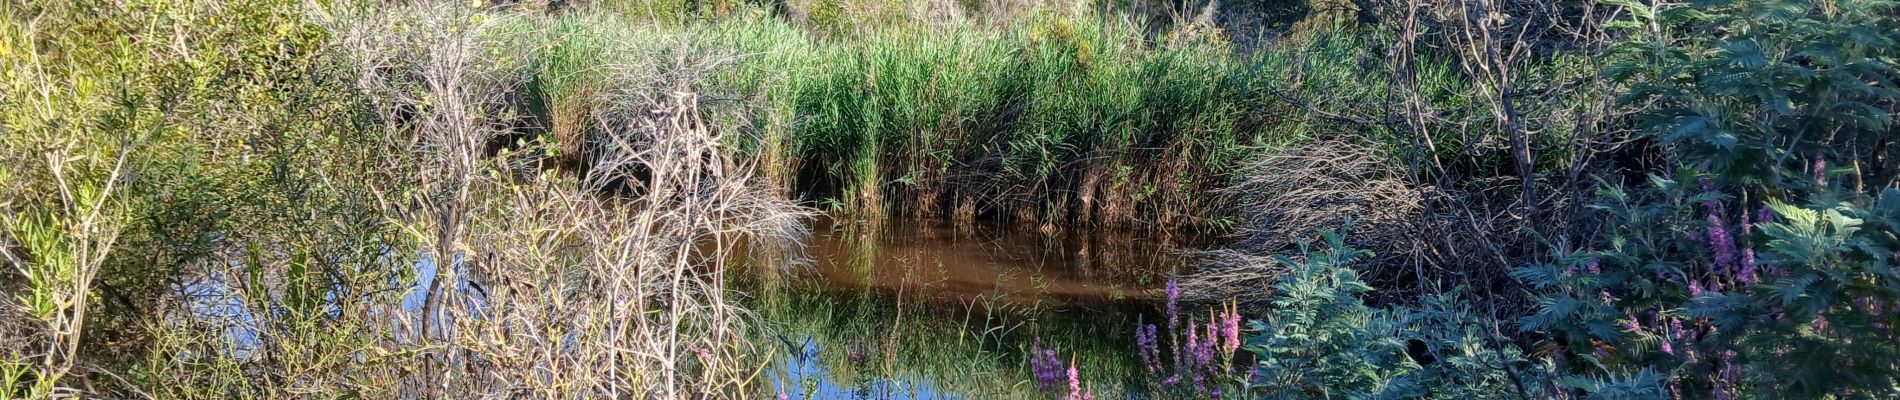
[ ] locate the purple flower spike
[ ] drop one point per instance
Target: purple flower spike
(1075, 383)
(1747, 276)
(1231, 327)
(1723, 244)
(1046, 366)
(1148, 344)
(1204, 355)
(1730, 370)
(1174, 295)
(1193, 345)
(1820, 170)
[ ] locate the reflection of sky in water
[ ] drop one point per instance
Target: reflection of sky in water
(211, 301)
(214, 300)
(1001, 288)
(802, 375)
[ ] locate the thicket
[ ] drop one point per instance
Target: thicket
(1750, 257)
(266, 198)
(1052, 117)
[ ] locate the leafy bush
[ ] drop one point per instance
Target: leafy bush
(1754, 269)
(1322, 341)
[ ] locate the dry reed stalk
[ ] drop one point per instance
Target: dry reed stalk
(1291, 196)
(608, 283)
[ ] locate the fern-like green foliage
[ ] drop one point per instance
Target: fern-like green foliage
(1322, 341)
(1744, 86)
(1754, 269)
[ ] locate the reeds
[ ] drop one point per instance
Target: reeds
(609, 282)
(278, 199)
(383, 246)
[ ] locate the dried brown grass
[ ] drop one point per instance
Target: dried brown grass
(1292, 195)
(607, 283)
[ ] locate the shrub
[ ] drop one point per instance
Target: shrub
(1755, 268)
(1321, 340)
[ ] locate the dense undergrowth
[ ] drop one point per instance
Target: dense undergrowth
(1054, 118)
(275, 198)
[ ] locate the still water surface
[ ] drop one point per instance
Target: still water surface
(932, 310)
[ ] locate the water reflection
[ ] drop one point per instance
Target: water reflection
(930, 310)
(945, 261)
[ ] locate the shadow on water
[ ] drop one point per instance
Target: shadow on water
(905, 310)
(931, 310)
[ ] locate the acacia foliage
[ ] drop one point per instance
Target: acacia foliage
(1322, 340)
(1757, 267)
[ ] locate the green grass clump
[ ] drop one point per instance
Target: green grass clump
(1010, 121)
(1056, 118)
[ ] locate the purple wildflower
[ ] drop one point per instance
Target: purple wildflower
(1148, 344)
(1730, 369)
(1668, 336)
(1747, 276)
(1595, 266)
(1046, 366)
(1200, 383)
(1172, 379)
(1231, 327)
(1193, 345)
(1174, 295)
(1695, 288)
(782, 395)
(1075, 383)
(1820, 170)
(1765, 215)
(1204, 355)
(1723, 243)
(852, 354)
(1633, 325)
(1675, 329)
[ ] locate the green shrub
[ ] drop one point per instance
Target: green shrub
(1755, 269)
(1321, 340)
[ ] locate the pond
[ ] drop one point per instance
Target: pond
(921, 309)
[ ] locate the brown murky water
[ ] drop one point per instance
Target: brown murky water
(946, 261)
(928, 309)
